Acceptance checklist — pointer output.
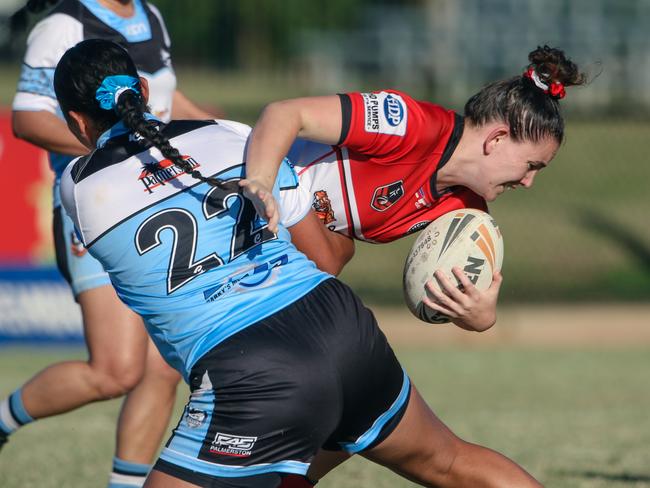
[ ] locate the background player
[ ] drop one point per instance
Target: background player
(387, 164)
(263, 337)
(121, 357)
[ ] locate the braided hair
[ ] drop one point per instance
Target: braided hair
(529, 104)
(79, 74)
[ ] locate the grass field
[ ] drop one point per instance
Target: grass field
(575, 416)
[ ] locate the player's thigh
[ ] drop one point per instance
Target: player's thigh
(115, 336)
(159, 479)
(81, 270)
(325, 461)
(420, 441)
(157, 367)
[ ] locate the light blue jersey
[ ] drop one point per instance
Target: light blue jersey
(143, 35)
(194, 260)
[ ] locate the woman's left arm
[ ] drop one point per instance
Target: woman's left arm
(328, 249)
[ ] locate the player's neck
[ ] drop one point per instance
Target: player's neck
(123, 8)
(461, 169)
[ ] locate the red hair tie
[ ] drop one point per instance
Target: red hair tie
(555, 90)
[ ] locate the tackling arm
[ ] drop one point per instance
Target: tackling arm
(316, 118)
(329, 250)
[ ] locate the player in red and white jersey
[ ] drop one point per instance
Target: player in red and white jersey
(378, 183)
(378, 166)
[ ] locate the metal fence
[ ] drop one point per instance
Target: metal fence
(449, 48)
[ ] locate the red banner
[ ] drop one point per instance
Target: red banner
(26, 200)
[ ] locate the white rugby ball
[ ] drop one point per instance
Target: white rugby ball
(469, 239)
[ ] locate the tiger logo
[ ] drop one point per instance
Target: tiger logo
(323, 207)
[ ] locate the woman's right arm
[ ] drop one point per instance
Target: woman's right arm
(46, 130)
(314, 118)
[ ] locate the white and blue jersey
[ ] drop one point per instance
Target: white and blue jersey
(143, 35)
(193, 260)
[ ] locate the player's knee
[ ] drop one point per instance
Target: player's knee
(162, 371)
(116, 386)
(434, 465)
(116, 379)
(444, 463)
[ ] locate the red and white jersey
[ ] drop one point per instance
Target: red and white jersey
(379, 183)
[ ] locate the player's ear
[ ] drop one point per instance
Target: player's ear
(497, 135)
(144, 86)
(81, 127)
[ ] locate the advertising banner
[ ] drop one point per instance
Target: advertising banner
(36, 304)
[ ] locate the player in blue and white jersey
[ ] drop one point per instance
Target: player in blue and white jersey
(281, 358)
(121, 357)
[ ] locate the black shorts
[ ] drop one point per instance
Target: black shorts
(318, 373)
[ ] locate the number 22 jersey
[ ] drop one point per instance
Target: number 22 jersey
(193, 260)
(379, 183)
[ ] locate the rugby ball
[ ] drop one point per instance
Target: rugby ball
(469, 239)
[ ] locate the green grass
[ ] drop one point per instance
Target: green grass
(576, 419)
(580, 234)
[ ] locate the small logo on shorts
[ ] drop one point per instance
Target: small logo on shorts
(76, 246)
(232, 445)
(418, 226)
(195, 418)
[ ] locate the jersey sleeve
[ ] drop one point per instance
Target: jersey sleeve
(68, 198)
(390, 125)
(243, 130)
(294, 200)
(46, 43)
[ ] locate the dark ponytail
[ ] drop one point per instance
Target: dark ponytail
(528, 103)
(79, 74)
(18, 21)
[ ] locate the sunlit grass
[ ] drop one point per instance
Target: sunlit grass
(576, 419)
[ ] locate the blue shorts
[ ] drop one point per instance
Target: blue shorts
(81, 270)
(318, 373)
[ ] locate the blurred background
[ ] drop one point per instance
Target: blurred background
(580, 235)
(560, 384)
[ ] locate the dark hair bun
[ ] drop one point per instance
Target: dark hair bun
(551, 65)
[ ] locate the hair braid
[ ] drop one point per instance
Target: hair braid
(130, 109)
(82, 70)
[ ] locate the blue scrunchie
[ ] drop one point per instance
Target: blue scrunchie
(112, 87)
